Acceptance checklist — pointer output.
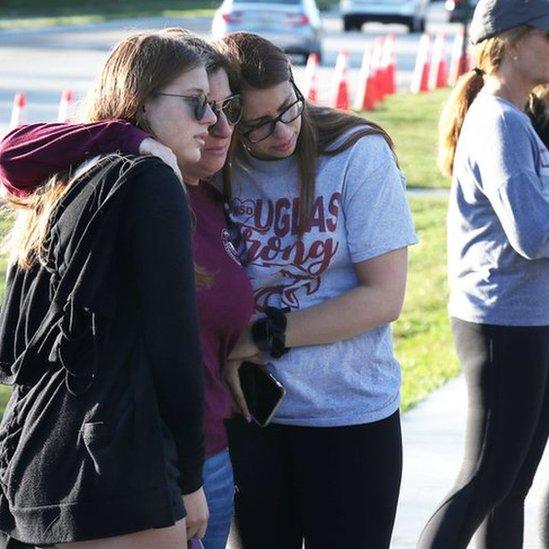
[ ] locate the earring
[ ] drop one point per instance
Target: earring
(515, 58)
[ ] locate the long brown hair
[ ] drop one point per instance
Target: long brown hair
(137, 67)
(264, 65)
(488, 55)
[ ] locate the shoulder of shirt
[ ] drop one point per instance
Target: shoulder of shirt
(152, 182)
(498, 111)
(367, 141)
(368, 154)
(371, 147)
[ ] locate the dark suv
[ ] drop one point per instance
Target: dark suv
(460, 11)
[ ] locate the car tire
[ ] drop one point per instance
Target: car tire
(350, 24)
(416, 25)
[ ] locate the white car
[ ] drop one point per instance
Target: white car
(411, 13)
(293, 25)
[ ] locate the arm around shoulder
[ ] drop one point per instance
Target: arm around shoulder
(30, 154)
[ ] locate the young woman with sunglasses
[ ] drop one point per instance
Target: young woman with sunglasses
(101, 444)
(324, 225)
(225, 302)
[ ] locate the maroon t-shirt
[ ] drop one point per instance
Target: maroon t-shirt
(224, 307)
(29, 154)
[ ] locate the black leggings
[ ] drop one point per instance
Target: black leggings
(332, 487)
(507, 374)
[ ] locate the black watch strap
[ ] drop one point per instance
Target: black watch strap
(269, 333)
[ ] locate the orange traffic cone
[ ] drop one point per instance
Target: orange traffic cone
(365, 98)
(459, 64)
(64, 105)
(341, 96)
(437, 75)
(310, 90)
(420, 78)
(388, 64)
(17, 112)
(377, 80)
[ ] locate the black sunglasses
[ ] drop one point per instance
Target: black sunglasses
(263, 130)
(200, 102)
(231, 107)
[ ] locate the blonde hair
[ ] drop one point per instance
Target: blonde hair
(24, 244)
(137, 67)
(488, 55)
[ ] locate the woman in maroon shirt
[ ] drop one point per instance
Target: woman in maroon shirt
(27, 157)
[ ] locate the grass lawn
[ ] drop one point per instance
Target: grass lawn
(412, 122)
(422, 335)
(36, 13)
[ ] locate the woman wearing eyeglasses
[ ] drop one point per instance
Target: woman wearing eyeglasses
(29, 154)
(323, 219)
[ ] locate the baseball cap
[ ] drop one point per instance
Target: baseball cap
(492, 17)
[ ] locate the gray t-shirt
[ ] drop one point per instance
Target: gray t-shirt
(498, 218)
(360, 212)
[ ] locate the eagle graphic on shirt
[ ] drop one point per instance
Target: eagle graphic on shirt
(271, 250)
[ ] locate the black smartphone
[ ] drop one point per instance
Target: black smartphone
(263, 393)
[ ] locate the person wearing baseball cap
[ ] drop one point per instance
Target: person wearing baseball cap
(498, 260)
(493, 17)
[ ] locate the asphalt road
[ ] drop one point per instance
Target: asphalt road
(42, 62)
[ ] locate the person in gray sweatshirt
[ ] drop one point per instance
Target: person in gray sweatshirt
(498, 254)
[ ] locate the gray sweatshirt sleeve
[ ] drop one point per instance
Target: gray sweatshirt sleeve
(511, 164)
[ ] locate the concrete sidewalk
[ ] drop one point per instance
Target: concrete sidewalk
(433, 447)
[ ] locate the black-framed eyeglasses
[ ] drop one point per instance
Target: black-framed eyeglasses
(263, 130)
(231, 107)
(200, 102)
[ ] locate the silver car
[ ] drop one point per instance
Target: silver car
(293, 25)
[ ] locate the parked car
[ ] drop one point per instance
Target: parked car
(411, 13)
(293, 25)
(460, 11)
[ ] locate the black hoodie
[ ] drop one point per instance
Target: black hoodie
(100, 341)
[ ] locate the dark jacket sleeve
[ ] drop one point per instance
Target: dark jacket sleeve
(30, 154)
(160, 254)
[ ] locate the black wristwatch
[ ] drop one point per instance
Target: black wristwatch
(269, 332)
